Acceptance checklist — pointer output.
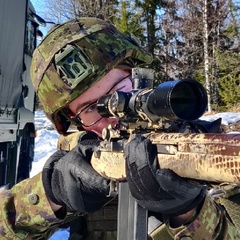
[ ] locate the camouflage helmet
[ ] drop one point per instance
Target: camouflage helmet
(75, 55)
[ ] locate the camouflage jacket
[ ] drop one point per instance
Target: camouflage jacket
(26, 214)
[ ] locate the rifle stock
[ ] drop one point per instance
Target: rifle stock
(208, 157)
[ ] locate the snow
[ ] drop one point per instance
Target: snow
(46, 143)
(227, 117)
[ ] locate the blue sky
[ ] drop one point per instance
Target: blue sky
(39, 8)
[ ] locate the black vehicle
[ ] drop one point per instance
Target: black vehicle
(19, 25)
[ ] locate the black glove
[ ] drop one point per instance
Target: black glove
(69, 179)
(158, 190)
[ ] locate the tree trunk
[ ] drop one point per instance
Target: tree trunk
(206, 57)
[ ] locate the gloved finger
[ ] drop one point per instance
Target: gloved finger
(140, 157)
(51, 162)
(81, 168)
(134, 182)
(48, 170)
(177, 186)
(85, 189)
(135, 191)
(92, 184)
(90, 177)
(87, 147)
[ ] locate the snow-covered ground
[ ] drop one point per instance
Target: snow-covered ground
(227, 117)
(46, 142)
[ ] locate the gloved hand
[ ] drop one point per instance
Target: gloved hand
(158, 190)
(69, 179)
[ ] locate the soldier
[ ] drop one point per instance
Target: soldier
(76, 64)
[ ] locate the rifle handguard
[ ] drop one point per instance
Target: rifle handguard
(208, 157)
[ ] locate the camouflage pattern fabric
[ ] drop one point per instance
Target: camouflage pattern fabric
(26, 214)
(210, 224)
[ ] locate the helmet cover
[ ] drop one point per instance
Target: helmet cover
(75, 55)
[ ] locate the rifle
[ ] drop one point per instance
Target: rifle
(211, 157)
(162, 114)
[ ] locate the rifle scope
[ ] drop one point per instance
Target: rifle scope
(180, 99)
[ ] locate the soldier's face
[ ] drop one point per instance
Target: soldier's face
(85, 104)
